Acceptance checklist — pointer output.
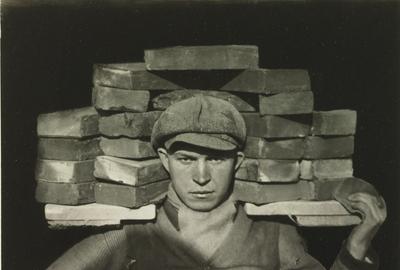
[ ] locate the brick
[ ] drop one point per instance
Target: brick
(131, 76)
(274, 149)
(261, 81)
(327, 221)
(65, 224)
(68, 149)
(76, 123)
(316, 208)
(306, 170)
(202, 57)
(162, 101)
(326, 168)
(65, 171)
(113, 99)
(127, 148)
(328, 147)
(286, 80)
(130, 172)
(272, 126)
(287, 103)
(337, 122)
(133, 125)
(266, 193)
(64, 193)
(128, 196)
(267, 170)
(97, 212)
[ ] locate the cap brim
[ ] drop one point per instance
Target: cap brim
(213, 141)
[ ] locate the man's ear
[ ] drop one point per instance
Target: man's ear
(163, 155)
(239, 159)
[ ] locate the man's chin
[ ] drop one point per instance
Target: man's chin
(201, 206)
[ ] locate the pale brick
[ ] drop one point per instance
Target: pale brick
(290, 208)
(76, 123)
(65, 171)
(130, 172)
(265, 193)
(68, 149)
(266, 170)
(327, 221)
(272, 126)
(202, 57)
(113, 99)
(163, 101)
(128, 196)
(65, 224)
(98, 212)
(328, 147)
(64, 193)
(326, 168)
(287, 103)
(133, 125)
(274, 149)
(337, 122)
(127, 148)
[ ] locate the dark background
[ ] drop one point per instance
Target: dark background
(350, 48)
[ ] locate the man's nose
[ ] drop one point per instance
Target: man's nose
(201, 174)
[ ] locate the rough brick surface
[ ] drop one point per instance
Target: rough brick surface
(260, 148)
(163, 101)
(130, 172)
(133, 125)
(330, 147)
(202, 57)
(113, 99)
(64, 193)
(267, 170)
(327, 221)
(127, 148)
(95, 211)
(287, 103)
(326, 168)
(65, 224)
(77, 123)
(272, 126)
(128, 196)
(65, 171)
(323, 208)
(337, 122)
(265, 193)
(68, 149)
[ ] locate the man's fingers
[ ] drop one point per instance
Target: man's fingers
(372, 206)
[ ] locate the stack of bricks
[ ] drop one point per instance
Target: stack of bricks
(101, 155)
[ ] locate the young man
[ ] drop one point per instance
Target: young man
(200, 225)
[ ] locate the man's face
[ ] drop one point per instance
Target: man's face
(201, 177)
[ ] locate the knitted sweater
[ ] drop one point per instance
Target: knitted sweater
(250, 244)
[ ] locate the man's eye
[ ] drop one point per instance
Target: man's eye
(215, 160)
(185, 160)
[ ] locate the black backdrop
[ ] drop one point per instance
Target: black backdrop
(350, 49)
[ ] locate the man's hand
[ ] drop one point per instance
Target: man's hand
(374, 210)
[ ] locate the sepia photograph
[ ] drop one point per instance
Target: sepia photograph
(214, 134)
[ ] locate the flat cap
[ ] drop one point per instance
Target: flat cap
(203, 121)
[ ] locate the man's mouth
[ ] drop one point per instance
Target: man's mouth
(201, 193)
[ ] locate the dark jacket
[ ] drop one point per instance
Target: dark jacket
(252, 244)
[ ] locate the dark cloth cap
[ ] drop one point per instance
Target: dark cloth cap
(202, 121)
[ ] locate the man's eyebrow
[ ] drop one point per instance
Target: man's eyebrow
(185, 154)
